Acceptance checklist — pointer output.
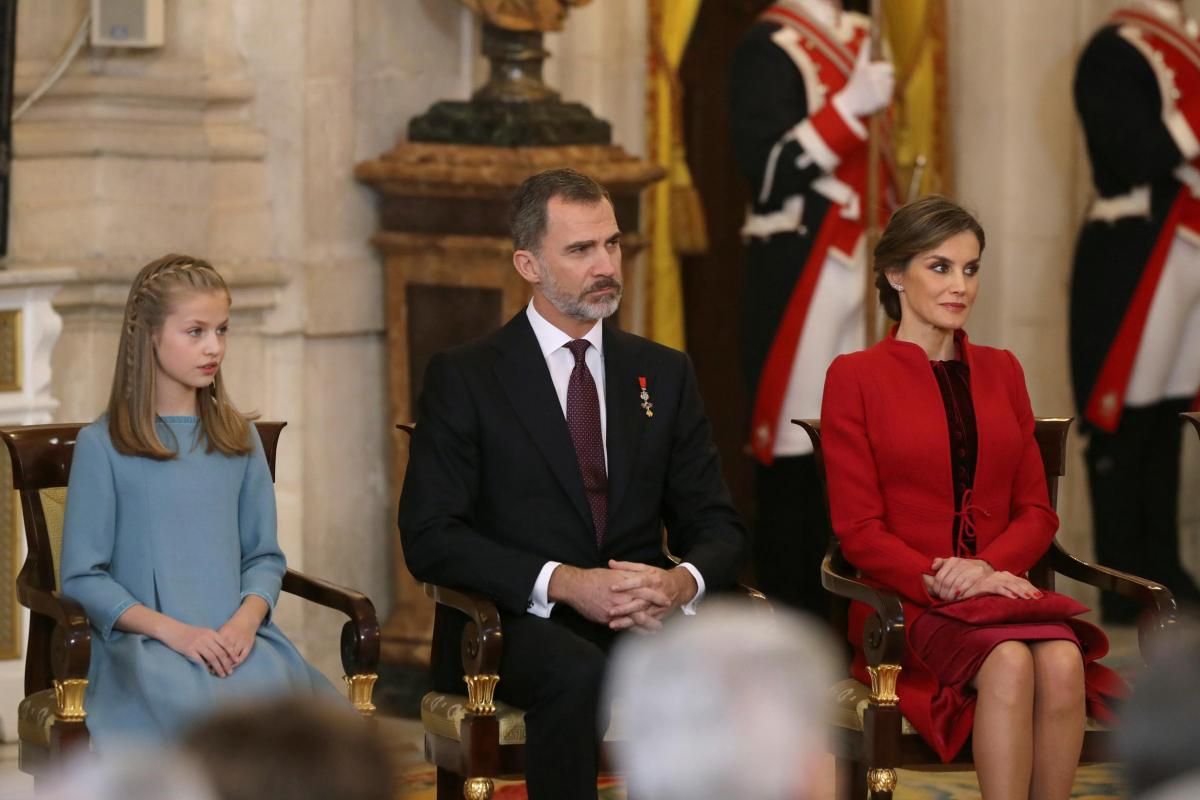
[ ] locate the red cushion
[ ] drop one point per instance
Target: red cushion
(991, 609)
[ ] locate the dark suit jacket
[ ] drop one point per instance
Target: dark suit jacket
(493, 489)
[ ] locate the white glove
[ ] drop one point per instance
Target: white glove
(869, 88)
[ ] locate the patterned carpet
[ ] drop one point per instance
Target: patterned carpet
(1092, 783)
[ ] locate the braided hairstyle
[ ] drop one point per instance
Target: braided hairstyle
(156, 290)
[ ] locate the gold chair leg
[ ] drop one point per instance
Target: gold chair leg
(360, 688)
(881, 782)
(478, 789)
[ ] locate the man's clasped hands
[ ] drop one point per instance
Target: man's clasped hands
(624, 596)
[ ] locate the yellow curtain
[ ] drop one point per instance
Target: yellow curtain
(676, 222)
(916, 35)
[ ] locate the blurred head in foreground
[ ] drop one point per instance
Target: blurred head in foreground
(729, 703)
(123, 773)
(291, 749)
(1159, 730)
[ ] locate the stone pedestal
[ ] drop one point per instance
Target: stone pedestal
(444, 237)
(29, 327)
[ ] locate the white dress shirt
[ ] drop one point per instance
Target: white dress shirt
(560, 362)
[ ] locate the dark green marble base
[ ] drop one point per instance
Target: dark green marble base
(547, 124)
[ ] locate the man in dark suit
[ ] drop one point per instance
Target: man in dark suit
(546, 461)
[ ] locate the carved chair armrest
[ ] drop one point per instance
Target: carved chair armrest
(482, 637)
(71, 643)
(1154, 596)
(360, 636)
(883, 637)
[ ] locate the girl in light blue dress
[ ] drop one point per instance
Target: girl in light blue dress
(169, 539)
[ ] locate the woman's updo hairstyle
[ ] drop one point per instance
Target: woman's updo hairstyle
(915, 228)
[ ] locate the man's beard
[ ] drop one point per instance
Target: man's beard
(578, 307)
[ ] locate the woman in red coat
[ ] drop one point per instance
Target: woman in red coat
(937, 491)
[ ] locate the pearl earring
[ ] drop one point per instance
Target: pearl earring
(897, 287)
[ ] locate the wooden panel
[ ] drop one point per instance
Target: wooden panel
(440, 317)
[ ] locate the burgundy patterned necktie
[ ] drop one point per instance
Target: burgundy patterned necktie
(583, 420)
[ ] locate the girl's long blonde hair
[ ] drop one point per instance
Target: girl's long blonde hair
(131, 406)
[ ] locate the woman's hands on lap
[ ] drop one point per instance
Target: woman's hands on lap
(1005, 584)
(960, 578)
(954, 577)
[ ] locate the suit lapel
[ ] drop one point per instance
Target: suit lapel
(526, 381)
(626, 418)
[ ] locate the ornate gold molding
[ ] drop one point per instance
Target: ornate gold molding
(68, 696)
(481, 691)
(883, 684)
(10, 350)
(478, 788)
(881, 780)
(360, 688)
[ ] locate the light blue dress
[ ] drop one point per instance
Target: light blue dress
(191, 538)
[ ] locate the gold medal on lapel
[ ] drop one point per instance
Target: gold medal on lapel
(646, 404)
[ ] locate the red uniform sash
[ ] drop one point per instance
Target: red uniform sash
(1181, 55)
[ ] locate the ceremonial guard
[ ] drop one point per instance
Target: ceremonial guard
(1135, 290)
(803, 85)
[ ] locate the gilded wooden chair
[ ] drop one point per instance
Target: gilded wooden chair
(52, 719)
(871, 739)
(473, 739)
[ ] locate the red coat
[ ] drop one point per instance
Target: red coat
(887, 462)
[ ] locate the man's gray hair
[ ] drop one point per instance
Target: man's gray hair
(529, 215)
(730, 703)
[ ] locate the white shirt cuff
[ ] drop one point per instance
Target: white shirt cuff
(539, 599)
(689, 608)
